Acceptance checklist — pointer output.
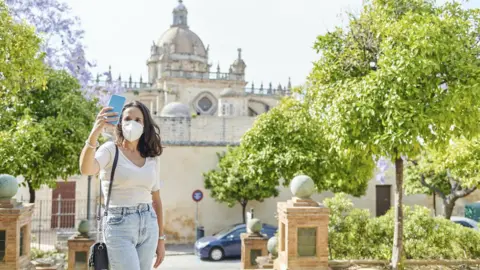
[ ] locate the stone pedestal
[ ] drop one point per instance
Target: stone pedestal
(15, 227)
(78, 248)
(303, 230)
(253, 245)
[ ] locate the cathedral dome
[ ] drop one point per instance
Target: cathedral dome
(179, 39)
(175, 109)
(184, 40)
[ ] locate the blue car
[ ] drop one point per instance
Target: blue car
(226, 243)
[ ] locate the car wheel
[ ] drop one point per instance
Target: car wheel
(216, 254)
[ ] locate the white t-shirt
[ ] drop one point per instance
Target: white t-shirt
(132, 184)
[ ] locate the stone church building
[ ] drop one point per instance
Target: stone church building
(201, 110)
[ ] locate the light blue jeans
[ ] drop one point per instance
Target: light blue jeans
(131, 235)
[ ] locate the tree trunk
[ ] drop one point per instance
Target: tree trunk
(434, 204)
(448, 206)
(398, 227)
(244, 207)
(31, 191)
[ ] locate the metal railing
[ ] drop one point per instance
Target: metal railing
(54, 221)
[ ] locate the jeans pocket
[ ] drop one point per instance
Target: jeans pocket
(115, 219)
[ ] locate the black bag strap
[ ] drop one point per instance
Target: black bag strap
(105, 213)
(112, 174)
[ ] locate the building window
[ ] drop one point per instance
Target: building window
(227, 109)
(205, 104)
(3, 238)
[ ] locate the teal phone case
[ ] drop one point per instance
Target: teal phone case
(116, 102)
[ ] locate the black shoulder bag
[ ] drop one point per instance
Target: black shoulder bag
(98, 259)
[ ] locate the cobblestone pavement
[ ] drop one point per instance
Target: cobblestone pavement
(192, 262)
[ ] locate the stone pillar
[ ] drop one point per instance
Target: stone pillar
(79, 247)
(15, 224)
(302, 230)
(254, 244)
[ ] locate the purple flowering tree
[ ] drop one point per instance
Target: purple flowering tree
(63, 44)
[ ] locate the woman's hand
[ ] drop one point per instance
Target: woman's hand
(160, 253)
(103, 120)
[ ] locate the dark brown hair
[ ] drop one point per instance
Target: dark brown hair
(149, 144)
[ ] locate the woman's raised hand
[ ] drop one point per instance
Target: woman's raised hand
(104, 119)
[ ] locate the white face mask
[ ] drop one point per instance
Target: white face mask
(132, 130)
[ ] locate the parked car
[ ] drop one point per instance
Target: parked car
(226, 243)
(465, 222)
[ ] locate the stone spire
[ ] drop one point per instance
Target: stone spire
(239, 65)
(180, 15)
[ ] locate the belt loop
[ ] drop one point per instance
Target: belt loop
(123, 211)
(148, 207)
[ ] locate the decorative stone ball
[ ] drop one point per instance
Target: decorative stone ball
(83, 227)
(8, 186)
(302, 186)
(272, 245)
(254, 225)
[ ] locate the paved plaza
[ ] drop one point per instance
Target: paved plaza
(187, 262)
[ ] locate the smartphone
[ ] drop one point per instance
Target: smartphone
(117, 103)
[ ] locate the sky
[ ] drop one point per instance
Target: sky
(276, 36)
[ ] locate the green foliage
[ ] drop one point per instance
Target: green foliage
(42, 135)
(428, 169)
(36, 253)
(21, 63)
(460, 159)
(400, 71)
(353, 234)
(290, 140)
(404, 73)
(227, 184)
(451, 172)
(345, 225)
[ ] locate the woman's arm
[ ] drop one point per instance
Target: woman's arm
(88, 164)
(157, 205)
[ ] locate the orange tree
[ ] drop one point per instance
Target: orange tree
(403, 74)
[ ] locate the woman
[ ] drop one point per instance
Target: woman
(133, 228)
